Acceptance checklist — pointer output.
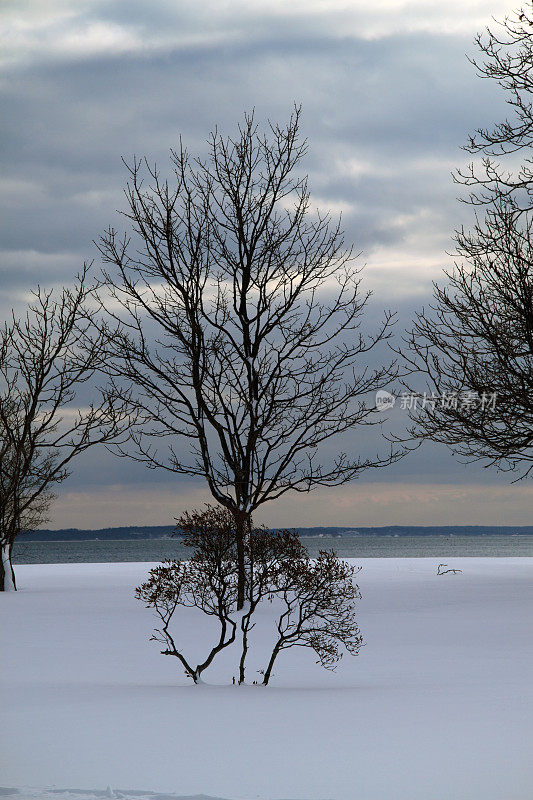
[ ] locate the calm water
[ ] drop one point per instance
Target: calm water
(346, 546)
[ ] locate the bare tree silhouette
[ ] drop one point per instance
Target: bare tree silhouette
(241, 313)
(44, 359)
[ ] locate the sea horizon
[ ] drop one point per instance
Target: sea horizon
(136, 532)
(391, 545)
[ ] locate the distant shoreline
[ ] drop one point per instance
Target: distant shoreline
(133, 533)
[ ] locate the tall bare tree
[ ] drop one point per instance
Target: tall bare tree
(45, 357)
(241, 313)
(475, 343)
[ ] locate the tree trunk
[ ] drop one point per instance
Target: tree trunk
(268, 671)
(242, 528)
(243, 656)
(7, 573)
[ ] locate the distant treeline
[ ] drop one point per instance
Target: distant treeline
(164, 531)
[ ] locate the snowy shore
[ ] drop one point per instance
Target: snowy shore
(436, 707)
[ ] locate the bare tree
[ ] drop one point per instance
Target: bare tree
(207, 581)
(475, 342)
(317, 609)
(506, 57)
(241, 312)
(16, 513)
(317, 596)
(44, 359)
(475, 347)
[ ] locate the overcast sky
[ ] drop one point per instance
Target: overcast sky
(388, 99)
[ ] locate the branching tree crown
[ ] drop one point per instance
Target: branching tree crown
(241, 313)
(475, 343)
(506, 57)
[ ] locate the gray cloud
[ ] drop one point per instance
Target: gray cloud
(388, 109)
(388, 98)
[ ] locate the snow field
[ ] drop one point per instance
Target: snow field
(437, 706)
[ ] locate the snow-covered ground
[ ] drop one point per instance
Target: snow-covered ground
(437, 706)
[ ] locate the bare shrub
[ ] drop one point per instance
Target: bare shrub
(318, 609)
(207, 581)
(317, 596)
